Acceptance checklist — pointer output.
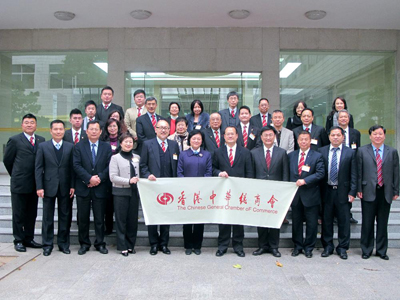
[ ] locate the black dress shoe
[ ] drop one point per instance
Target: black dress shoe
(364, 256)
(308, 254)
(46, 252)
(33, 244)
(275, 252)
(65, 250)
(132, 251)
(153, 250)
(165, 250)
(188, 251)
(82, 250)
(220, 253)
(296, 252)
(384, 257)
(260, 251)
(197, 251)
(353, 221)
(124, 253)
(326, 253)
(102, 249)
(343, 255)
(240, 253)
(19, 247)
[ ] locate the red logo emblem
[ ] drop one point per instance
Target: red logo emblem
(165, 198)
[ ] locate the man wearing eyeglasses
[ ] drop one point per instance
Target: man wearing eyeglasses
(159, 158)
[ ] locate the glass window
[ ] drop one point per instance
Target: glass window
(366, 80)
(210, 88)
(49, 85)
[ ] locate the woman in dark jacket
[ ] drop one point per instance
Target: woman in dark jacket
(197, 119)
(124, 174)
(295, 121)
(332, 119)
(194, 162)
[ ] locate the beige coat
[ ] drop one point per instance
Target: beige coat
(130, 119)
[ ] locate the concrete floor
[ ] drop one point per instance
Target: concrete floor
(177, 276)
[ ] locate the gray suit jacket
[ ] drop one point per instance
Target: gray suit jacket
(367, 172)
(287, 140)
(225, 118)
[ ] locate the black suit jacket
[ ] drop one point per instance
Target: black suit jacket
(209, 141)
(317, 132)
(150, 158)
(84, 168)
(354, 138)
(242, 166)
(69, 138)
(329, 122)
(309, 194)
(102, 114)
(19, 160)
(145, 130)
(51, 174)
(347, 176)
(257, 122)
(279, 167)
(251, 143)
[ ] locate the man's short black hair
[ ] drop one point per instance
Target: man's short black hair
(267, 128)
(245, 107)
(75, 111)
(309, 109)
(375, 127)
(56, 122)
(259, 101)
(334, 128)
(90, 102)
(232, 93)
(107, 88)
(29, 116)
(137, 92)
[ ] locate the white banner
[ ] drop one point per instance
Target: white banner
(192, 200)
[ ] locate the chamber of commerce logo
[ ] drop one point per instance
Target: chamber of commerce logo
(165, 198)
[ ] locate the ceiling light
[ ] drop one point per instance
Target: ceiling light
(315, 14)
(288, 69)
(140, 14)
(64, 15)
(239, 14)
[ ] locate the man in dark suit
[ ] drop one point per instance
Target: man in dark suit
(307, 170)
(104, 109)
(55, 179)
(90, 111)
(76, 133)
(248, 134)
(19, 160)
(319, 138)
(230, 116)
(377, 186)
(264, 117)
(159, 159)
(339, 187)
(91, 160)
(146, 123)
(231, 160)
(269, 163)
(213, 136)
(352, 139)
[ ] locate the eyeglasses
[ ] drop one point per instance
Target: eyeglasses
(162, 128)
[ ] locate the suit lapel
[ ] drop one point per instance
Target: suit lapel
(51, 149)
(89, 151)
(211, 134)
(156, 152)
(370, 150)
(273, 159)
(237, 155)
(385, 154)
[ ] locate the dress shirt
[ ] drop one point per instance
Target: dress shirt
(266, 117)
(105, 105)
(305, 156)
(95, 148)
(219, 133)
(338, 154)
(29, 137)
(150, 116)
(60, 143)
(247, 128)
(270, 151)
(165, 143)
(73, 133)
(234, 110)
(309, 126)
(380, 150)
(346, 134)
(233, 151)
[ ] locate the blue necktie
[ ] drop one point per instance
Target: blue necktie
(93, 153)
(57, 146)
(334, 170)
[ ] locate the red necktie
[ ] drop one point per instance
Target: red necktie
(153, 121)
(163, 146)
(217, 137)
(264, 121)
(105, 106)
(91, 119)
(138, 112)
(231, 157)
(379, 168)
(76, 138)
(301, 162)
(268, 158)
(233, 113)
(308, 129)
(32, 141)
(245, 136)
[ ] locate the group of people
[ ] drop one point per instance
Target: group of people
(104, 155)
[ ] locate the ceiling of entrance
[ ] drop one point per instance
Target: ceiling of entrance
(357, 14)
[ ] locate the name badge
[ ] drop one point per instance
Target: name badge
(305, 168)
(135, 160)
(354, 146)
(252, 136)
(175, 157)
(314, 141)
(198, 127)
(113, 147)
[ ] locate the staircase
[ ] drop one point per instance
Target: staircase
(176, 239)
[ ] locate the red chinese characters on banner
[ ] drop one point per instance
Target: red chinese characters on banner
(182, 198)
(243, 198)
(212, 197)
(196, 198)
(228, 196)
(272, 201)
(257, 200)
